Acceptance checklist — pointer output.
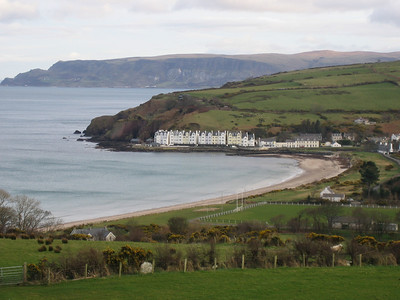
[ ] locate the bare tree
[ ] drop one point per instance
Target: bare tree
(29, 216)
(278, 221)
(6, 212)
(330, 212)
(4, 197)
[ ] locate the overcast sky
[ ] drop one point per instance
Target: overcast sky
(38, 33)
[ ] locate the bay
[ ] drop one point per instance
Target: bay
(40, 157)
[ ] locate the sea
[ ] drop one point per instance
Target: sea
(41, 157)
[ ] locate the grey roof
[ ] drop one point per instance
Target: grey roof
(99, 233)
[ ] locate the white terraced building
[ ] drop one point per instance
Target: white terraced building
(222, 138)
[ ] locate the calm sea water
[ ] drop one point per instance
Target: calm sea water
(40, 157)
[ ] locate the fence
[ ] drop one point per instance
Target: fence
(11, 275)
(209, 218)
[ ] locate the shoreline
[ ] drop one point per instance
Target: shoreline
(314, 169)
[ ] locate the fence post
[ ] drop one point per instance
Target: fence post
(153, 266)
(48, 276)
(360, 258)
(333, 259)
(304, 260)
(120, 269)
(242, 261)
(25, 272)
(185, 266)
(215, 263)
(86, 269)
(275, 261)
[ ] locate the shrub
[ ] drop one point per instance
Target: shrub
(389, 167)
(42, 248)
(82, 237)
(40, 241)
(1, 236)
(50, 248)
(24, 236)
(11, 236)
(134, 256)
(197, 257)
(57, 249)
(167, 258)
(33, 272)
(176, 238)
(178, 225)
(32, 236)
(73, 265)
(49, 241)
(64, 240)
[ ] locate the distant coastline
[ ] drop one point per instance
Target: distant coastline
(315, 168)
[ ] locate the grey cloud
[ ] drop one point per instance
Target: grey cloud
(387, 14)
(248, 5)
(16, 10)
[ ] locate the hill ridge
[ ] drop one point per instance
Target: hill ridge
(185, 70)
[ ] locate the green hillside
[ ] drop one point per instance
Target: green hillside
(267, 105)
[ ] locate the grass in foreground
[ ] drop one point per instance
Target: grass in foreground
(282, 283)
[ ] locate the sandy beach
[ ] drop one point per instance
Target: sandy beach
(314, 169)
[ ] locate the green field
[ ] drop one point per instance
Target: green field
(282, 283)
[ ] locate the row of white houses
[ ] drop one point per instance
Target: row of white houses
(223, 138)
(232, 138)
(309, 140)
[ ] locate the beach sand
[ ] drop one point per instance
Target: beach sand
(314, 169)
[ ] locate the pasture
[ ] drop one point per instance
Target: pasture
(282, 283)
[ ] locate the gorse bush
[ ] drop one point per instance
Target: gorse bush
(130, 257)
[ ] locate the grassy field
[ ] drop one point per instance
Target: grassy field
(17, 252)
(282, 283)
(264, 213)
(367, 89)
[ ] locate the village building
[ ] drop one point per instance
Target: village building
(345, 222)
(329, 194)
(96, 234)
(336, 137)
(308, 140)
(349, 136)
(234, 138)
(336, 145)
(363, 121)
(267, 142)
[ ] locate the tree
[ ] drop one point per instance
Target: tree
(362, 218)
(330, 212)
(23, 213)
(6, 212)
(369, 175)
(178, 225)
(278, 221)
(315, 216)
(29, 216)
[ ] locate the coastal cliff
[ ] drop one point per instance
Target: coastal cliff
(184, 71)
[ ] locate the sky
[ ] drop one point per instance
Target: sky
(38, 33)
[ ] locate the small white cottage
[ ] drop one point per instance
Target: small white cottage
(329, 194)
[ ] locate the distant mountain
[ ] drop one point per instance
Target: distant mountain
(185, 71)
